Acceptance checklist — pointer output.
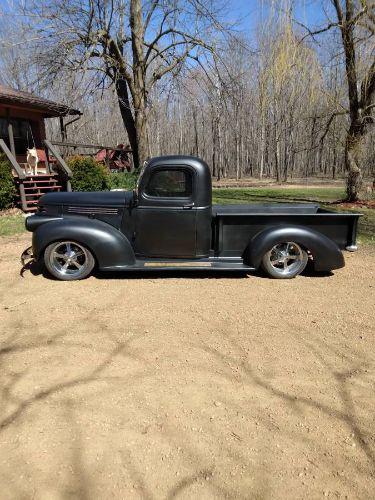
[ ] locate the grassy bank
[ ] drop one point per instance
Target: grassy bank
(11, 224)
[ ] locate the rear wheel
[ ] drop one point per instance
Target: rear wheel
(68, 260)
(285, 260)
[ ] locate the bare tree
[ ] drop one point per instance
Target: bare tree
(355, 21)
(129, 43)
(281, 111)
(361, 92)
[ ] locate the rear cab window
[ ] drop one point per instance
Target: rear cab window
(170, 183)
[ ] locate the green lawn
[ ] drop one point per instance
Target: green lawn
(264, 194)
(14, 224)
(11, 224)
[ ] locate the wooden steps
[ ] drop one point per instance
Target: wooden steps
(36, 186)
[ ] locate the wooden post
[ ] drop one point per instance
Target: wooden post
(18, 170)
(48, 166)
(22, 195)
(62, 129)
(10, 133)
(107, 159)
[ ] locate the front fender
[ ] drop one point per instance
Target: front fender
(110, 247)
(326, 253)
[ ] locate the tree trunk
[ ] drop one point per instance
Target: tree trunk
(354, 178)
(334, 163)
(262, 139)
(196, 140)
(277, 161)
(141, 132)
(127, 118)
(215, 169)
(139, 78)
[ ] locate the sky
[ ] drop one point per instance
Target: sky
(250, 12)
(247, 15)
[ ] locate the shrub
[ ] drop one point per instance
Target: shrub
(123, 180)
(8, 189)
(88, 175)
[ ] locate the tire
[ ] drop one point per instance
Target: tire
(68, 260)
(285, 260)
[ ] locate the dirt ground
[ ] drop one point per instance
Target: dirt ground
(187, 386)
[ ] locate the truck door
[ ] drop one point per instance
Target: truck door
(166, 215)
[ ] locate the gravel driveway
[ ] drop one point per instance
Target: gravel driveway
(187, 386)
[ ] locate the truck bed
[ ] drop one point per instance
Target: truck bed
(265, 208)
(235, 225)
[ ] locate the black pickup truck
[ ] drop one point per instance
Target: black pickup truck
(169, 222)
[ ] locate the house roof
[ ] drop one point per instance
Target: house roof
(27, 100)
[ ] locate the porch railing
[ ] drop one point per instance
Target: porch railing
(49, 147)
(77, 146)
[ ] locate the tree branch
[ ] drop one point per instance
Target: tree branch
(166, 69)
(154, 4)
(368, 88)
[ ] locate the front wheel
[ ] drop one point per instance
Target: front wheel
(285, 260)
(68, 260)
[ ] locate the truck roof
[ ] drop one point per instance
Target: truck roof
(203, 187)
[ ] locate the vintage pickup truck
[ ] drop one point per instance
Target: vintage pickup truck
(169, 222)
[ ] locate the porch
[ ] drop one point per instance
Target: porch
(22, 127)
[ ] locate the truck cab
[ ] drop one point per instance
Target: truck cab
(168, 222)
(173, 209)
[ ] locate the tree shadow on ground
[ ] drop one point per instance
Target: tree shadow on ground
(96, 374)
(348, 414)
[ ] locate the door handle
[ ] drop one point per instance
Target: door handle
(188, 206)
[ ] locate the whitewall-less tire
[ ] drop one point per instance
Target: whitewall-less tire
(68, 260)
(285, 260)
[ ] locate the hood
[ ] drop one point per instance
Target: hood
(88, 199)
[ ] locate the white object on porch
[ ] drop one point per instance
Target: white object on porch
(32, 160)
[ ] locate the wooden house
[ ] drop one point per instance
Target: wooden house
(22, 126)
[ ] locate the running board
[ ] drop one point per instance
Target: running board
(210, 264)
(177, 264)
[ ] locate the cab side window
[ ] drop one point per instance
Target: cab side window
(170, 183)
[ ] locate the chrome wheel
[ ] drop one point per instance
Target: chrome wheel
(68, 260)
(285, 260)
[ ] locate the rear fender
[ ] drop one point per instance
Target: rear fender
(110, 247)
(325, 252)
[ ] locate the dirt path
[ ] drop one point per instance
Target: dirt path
(187, 387)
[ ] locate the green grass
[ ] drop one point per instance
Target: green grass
(366, 227)
(11, 224)
(263, 194)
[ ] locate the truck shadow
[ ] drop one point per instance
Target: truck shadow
(136, 275)
(212, 274)
(38, 269)
(198, 275)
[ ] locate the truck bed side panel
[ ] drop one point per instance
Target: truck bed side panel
(234, 232)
